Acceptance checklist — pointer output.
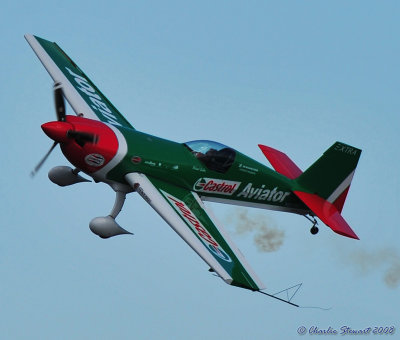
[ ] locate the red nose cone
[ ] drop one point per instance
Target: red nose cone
(57, 131)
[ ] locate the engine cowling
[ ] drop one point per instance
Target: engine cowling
(106, 227)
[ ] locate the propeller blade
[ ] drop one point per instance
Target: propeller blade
(59, 102)
(83, 137)
(37, 167)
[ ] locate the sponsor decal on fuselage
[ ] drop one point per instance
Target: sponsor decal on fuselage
(94, 159)
(263, 194)
(136, 159)
(194, 223)
(218, 186)
(198, 168)
(97, 102)
(247, 169)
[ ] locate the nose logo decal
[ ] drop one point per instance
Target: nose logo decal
(94, 159)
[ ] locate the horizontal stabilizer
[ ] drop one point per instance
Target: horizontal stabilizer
(281, 162)
(327, 213)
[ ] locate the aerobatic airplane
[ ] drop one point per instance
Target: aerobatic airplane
(175, 178)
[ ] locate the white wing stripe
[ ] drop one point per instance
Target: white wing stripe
(71, 94)
(235, 249)
(158, 203)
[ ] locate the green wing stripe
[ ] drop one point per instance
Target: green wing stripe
(66, 71)
(120, 117)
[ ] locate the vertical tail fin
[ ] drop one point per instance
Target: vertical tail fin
(323, 187)
(330, 176)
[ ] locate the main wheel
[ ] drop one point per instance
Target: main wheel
(314, 230)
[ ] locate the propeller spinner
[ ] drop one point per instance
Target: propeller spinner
(61, 131)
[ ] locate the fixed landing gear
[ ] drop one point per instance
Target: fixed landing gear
(106, 226)
(314, 229)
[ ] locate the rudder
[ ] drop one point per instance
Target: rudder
(330, 176)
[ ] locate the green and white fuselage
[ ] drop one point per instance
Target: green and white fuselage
(230, 178)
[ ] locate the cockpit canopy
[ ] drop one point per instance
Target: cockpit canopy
(213, 155)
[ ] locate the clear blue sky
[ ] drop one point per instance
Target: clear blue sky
(295, 75)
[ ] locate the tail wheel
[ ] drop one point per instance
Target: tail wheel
(314, 229)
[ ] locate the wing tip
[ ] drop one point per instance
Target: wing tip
(28, 36)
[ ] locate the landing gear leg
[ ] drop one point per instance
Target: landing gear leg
(314, 229)
(119, 203)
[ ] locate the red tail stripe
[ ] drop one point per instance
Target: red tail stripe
(341, 199)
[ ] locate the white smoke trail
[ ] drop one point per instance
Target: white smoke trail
(267, 238)
(367, 261)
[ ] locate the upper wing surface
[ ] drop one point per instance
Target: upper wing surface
(83, 96)
(186, 214)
